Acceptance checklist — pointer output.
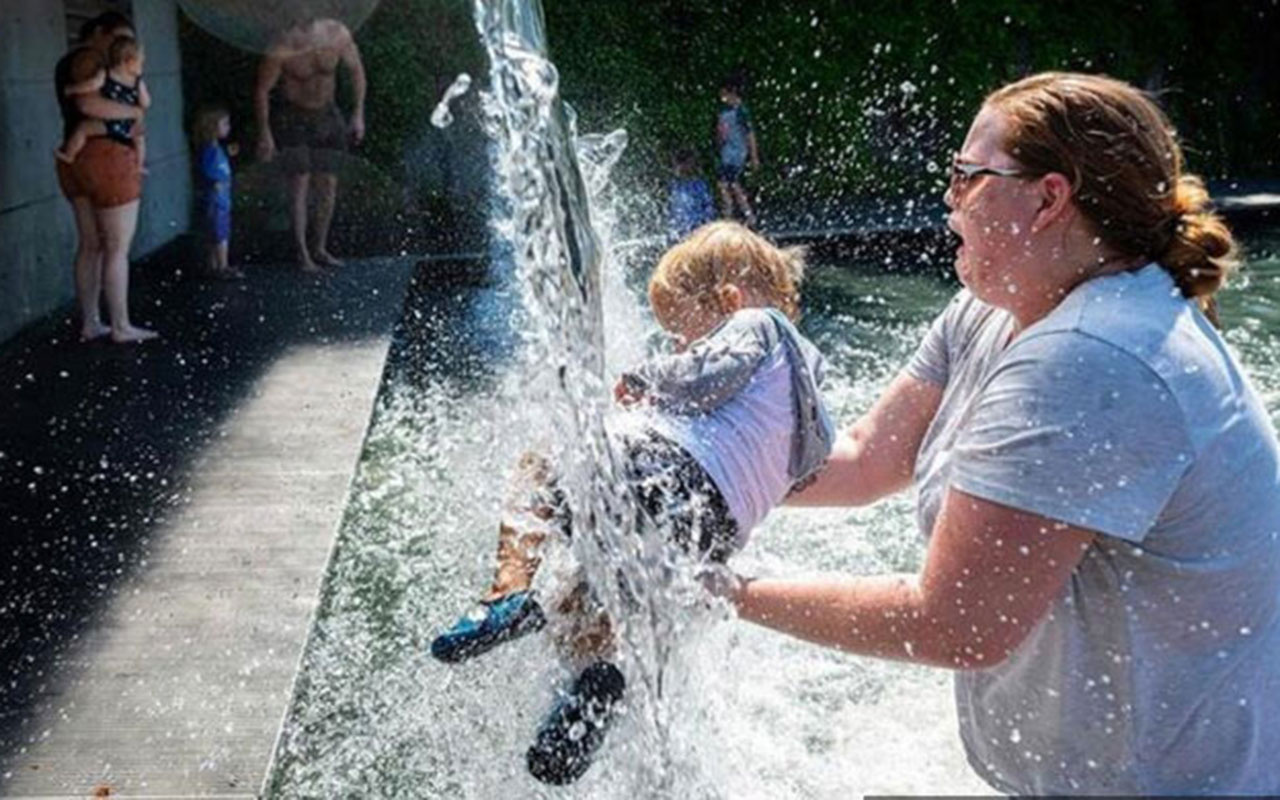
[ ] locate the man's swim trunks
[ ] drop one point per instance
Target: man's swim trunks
(309, 140)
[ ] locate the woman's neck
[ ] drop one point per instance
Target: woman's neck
(1099, 265)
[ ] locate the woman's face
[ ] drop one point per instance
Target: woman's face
(992, 214)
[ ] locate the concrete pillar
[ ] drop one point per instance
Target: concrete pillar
(37, 233)
(166, 194)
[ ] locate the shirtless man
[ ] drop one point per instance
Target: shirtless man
(308, 131)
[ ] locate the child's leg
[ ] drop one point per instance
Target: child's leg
(508, 611)
(211, 256)
(726, 200)
(526, 519)
(740, 198)
(79, 136)
(581, 629)
(220, 250)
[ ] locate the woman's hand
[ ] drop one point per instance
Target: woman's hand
(722, 582)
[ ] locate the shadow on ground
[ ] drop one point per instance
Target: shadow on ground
(95, 439)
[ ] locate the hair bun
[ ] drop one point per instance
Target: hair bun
(1201, 253)
(1190, 196)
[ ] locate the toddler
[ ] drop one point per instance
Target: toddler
(213, 191)
(736, 146)
(710, 439)
(689, 204)
(120, 80)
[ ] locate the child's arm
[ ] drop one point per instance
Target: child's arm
(87, 68)
(144, 96)
(706, 375)
(752, 150)
(87, 86)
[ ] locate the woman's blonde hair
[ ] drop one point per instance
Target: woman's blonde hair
(204, 128)
(1126, 170)
(721, 253)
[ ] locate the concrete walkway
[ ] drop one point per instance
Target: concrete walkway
(170, 510)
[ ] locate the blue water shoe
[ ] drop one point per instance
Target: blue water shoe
(488, 626)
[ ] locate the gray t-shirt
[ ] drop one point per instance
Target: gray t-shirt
(1122, 411)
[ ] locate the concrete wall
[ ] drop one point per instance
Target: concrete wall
(166, 196)
(37, 234)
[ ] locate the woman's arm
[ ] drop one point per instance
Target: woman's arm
(991, 573)
(98, 107)
(877, 456)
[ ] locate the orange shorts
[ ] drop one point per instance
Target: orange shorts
(106, 172)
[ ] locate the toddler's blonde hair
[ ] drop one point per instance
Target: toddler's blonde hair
(723, 252)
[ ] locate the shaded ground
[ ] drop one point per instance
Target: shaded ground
(96, 440)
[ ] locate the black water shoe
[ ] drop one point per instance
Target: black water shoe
(574, 730)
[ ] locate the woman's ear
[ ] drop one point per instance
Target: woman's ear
(1055, 200)
(729, 297)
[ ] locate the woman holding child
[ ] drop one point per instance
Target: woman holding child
(1098, 481)
(101, 175)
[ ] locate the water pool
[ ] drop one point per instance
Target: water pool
(753, 714)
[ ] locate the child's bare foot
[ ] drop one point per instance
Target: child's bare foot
(329, 259)
(224, 273)
(63, 156)
(132, 333)
(308, 266)
(94, 330)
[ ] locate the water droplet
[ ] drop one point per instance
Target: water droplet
(442, 116)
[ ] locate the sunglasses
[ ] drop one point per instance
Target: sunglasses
(962, 173)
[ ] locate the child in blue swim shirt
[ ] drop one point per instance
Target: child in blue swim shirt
(213, 189)
(689, 204)
(710, 439)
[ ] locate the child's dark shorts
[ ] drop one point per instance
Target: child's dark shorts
(677, 495)
(215, 221)
(730, 173)
(672, 494)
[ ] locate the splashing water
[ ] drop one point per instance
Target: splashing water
(548, 176)
(373, 716)
(442, 116)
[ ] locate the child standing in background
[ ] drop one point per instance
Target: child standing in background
(120, 80)
(736, 145)
(689, 204)
(213, 193)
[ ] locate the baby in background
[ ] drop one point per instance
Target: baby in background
(120, 80)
